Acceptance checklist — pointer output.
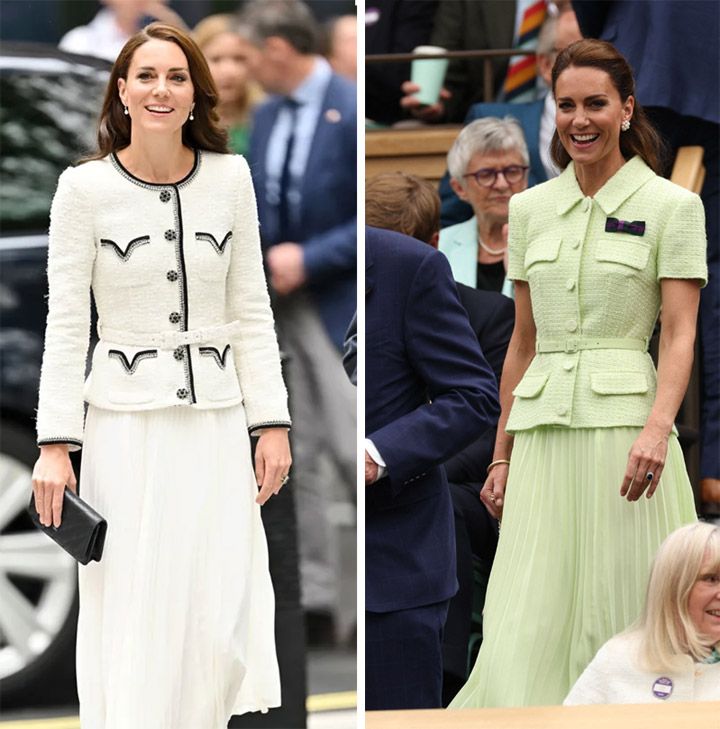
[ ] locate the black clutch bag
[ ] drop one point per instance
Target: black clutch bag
(81, 532)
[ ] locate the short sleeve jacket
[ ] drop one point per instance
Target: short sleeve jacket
(594, 267)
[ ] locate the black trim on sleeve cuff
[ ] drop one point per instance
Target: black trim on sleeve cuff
(60, 441)
(269, 424)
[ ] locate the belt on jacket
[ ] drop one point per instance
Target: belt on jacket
(575, 344)
(168, 340)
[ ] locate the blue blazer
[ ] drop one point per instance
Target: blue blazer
(429, 392)
(670, 45)
(453, 209)
(328, 205)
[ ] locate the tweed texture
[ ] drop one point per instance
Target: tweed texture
(586, 282)
(614, 677)
(159, 258)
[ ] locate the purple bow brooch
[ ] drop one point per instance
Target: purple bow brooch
(636, 227)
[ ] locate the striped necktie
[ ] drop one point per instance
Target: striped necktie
(522, 70)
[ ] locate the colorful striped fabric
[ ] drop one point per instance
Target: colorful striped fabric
(522, 70)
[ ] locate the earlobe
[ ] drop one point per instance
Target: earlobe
(458, 189)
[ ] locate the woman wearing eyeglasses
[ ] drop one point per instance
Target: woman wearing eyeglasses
(488, 164)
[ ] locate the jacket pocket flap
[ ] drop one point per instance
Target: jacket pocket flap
(530, 386)
(545, 249)
(628, 252)
(618, 383)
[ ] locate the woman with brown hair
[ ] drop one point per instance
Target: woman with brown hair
(176, 621)
(587, 472)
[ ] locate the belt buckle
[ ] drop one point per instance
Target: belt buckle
(571, 346)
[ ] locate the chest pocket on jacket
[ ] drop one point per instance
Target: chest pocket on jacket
(213, 255)
(543, 250)
(542, 266)
(125, 261)
(631, 256)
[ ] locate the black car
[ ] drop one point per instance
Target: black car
(49, 102)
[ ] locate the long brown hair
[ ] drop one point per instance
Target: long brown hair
(641, 138)
(202, 133)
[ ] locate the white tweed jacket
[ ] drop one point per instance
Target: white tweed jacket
(614, 677)
(184, 315)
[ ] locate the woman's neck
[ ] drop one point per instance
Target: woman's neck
(157, 159)
(490, 233)
(591, 177)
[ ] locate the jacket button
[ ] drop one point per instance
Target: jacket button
(174, 317)
(179, 353)
(562, 410)
(182, 393)
(571, 325)
(164, 196)
(568, 365)
(171, 276)
(170, 235)
(570, 284)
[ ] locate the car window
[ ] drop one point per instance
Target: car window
(47, 121)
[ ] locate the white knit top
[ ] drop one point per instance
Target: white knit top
(614, 677)
(184, 313)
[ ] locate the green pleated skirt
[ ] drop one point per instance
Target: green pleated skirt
(572, 562)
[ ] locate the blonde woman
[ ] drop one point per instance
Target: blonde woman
(225, 52)
(673, 652)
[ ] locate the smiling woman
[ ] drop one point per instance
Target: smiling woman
(587, 473)
(672, 653)
(176, 621)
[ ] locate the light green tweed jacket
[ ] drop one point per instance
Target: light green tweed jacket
(596, 292)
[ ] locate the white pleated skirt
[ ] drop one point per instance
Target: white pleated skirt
(176, 627)
(572, 562)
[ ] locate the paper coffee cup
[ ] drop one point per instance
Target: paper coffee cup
(428, 74)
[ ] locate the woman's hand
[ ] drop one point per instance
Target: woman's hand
(492, 493)
(53, 471)
(647, 456)
(272, 462)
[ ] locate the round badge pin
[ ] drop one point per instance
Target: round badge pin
(333, 116)
(662, 688)
(372, 15)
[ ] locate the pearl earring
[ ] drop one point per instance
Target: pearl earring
(191, 117)
(625, 125)
(126, 112)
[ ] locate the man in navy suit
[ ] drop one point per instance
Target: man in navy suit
(411, 205)
(303, 157)
(303, 160)
(429, 392)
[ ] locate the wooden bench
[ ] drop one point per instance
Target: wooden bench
(421, 152)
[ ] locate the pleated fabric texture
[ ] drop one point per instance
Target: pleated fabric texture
(572, 562)
(176, 627)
